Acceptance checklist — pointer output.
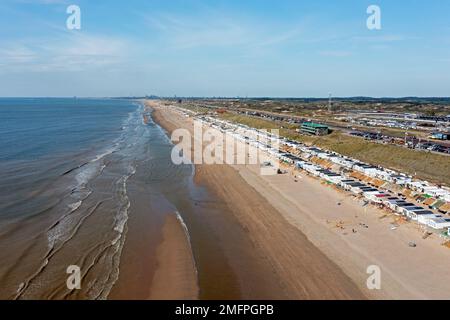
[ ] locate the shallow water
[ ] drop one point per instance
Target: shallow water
(66, 167)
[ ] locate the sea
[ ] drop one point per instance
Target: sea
(67, 171)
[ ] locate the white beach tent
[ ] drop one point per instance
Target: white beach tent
(439, 223)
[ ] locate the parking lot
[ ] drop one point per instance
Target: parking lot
(411, 141)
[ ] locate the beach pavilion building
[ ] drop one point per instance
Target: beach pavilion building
(314, 129)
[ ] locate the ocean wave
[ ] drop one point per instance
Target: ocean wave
(74, 206)
(58, 235)
(85, 175)
(121, 217)
(72, 211)
(118, 241)
(188, 237)
(65, 228)
(104, 154)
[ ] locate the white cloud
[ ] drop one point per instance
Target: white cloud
(217, 30)
(73, 52)
(16, 54)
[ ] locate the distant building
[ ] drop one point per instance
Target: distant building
(314, 128)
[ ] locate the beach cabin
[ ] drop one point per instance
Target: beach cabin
(410, 212)
(400, 206)
(368, 191)
(423, 218)
(400, 202)
(439, 223)
(334, 178)
(400, 179)
(311, 168)
(345, 181)
(299, 164)
(390, 202)
(345, 184)
(342, 162)
(377, 197)
(290, 158)
(356, 187)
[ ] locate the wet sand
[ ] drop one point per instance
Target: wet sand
(304, 214)
(176, 276)
(273, 250)
(138, 263)
(228, 265)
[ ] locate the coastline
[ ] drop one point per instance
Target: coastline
(156, 261)
(176, 276)
(229, 267)
(279, 251)
(351, 236)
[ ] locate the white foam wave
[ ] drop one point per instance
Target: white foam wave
(74, 206)
(188, 237)
(104, 154)
(86, 174)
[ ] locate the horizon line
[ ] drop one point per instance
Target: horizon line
(222, 97)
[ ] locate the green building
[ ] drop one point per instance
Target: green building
(314, 128)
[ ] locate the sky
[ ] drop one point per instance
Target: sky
(254, 48)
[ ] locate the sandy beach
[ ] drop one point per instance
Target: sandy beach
(317, 249)
(282, 254)
(222, 158)
(176, 275)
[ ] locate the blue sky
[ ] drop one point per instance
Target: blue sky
(225, 48)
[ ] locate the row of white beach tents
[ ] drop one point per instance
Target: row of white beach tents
(399, 206)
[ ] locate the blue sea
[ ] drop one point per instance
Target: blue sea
(31, 129)
(72, 171)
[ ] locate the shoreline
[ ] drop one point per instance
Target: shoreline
(175, 277)
(283, 254)
(350, 235)
(228, 266)
(156, 261)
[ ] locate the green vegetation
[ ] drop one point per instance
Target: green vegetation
(257, 122)
(427, 166)
(196, 108)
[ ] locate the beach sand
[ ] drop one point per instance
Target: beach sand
(316, 248)
(175, 277)
(311, 206)
(280, 254)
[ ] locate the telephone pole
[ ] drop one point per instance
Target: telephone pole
(330, 106)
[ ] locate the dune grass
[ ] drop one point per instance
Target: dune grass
(424, 165)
